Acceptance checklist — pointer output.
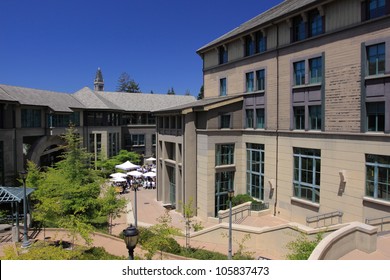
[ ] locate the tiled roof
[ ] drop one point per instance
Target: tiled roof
(285, 8)
(59, 102)
(144, 102)
(198, 103)
(91, 100)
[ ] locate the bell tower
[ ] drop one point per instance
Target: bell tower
(99, 82)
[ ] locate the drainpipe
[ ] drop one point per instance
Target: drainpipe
(277, 119)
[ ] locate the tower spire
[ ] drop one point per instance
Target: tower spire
(99, 82)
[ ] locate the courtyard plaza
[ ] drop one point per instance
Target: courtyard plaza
(150, 210)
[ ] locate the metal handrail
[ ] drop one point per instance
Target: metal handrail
(381, 221)
(235, 212)
(321, 217)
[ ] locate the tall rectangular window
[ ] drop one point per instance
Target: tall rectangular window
(298, 29)
(299, 73)
(260, 118)
(315, 23)
(315, 117)
(376, 8)
(223, 55)
(261, 42)
(249, 82)
(224, 154)
(315, 70)
(375, 116)
(249, 118)
(1, 116)
(225, 121)
(260, 79)
(138, 139)
(376, 58)
(255, 170)
(378, 177)
(249, 46)
(299, 117)
(222, 87)
(307, 174)
(224, 181)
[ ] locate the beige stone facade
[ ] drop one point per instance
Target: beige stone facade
(343, 141)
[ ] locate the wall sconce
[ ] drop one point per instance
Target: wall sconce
(343, 178)
(271, 183)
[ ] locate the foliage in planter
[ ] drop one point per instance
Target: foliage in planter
(201, 254)
(302, 247)
(56, 251)
(240, 199)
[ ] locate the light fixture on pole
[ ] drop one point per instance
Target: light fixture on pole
(26, 243)
(135, 188)
(230, 196)
(131, 239)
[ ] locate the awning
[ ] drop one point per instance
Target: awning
(13, 194)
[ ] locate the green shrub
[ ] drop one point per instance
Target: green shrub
(240, 199)
(201, 254)
(302, 248)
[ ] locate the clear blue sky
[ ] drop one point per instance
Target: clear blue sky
(59, 44)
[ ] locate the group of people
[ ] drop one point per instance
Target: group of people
(147, 182)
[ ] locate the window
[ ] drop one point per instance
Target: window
(261, 42)
(249, 82)
(260, 118)
(260, 79)
(376, 8)
(299, 117)
(315, 117)
(154, 139)
(138, 140)
(298, 29)
(249, 46)
(378, 176)
(1, 116)
(315, 23)
(224, 154)
(255, 170)
(224, 181)
(1, 163)
(299, 73)
(113, 144)
(375, 116)
(223, 55)
(31, 118)
(222, 87)
(95, 145)
(171, 171)
(307, 174)
(315, 70)
(376, 59)
(225, 121)
(249, 118)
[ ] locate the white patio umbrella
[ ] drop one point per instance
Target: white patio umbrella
(149, 174)
(150, 159)
(118, 179)
(135, 173)
(127, 166)
(118, 174)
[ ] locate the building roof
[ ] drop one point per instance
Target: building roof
(144, 102)
(13, 194)
(283, 9)
(58, 102)
(92, 100)
(199, 104)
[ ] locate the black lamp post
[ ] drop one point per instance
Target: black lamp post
(135, 188)
(230, 196)
(131, 239)
(26, 243)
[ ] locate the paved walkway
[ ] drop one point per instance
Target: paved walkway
(149, 210)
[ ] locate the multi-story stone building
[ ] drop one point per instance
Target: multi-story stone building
(32, 122)
(296, 114)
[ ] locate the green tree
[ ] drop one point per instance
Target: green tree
(112, 206)
(302, 247)
(107, 166)
(127, 84)
(69, 194)
(171, 91)
(190, 220)
(161, 236)
(201, 93)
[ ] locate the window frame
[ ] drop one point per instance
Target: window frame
(307, 155)
(223, 87)
(377, 163)
(224, 154)
(254, 190)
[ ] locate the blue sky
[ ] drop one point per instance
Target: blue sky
(59, 44)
